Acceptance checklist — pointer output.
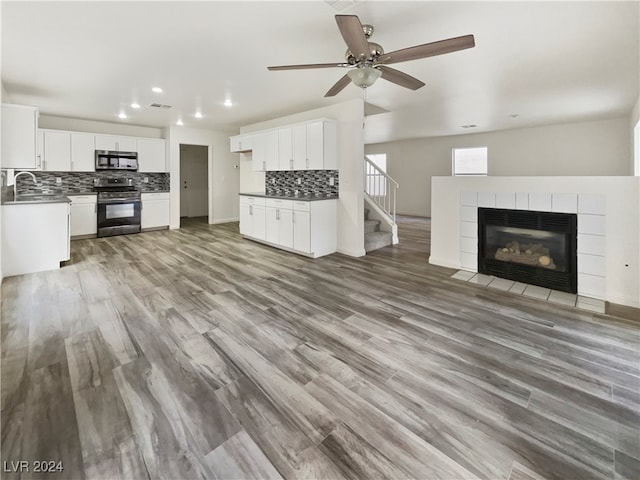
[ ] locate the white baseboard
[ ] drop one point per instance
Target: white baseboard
(443, 263)
(225, 220)
(352, 253)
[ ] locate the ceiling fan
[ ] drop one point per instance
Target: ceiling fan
(367, 61)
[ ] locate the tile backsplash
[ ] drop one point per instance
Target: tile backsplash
(316, 183)
(79, 182)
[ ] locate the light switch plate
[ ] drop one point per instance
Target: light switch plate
(299, 181)
(146, 180)
(331, 181)
(58, 180)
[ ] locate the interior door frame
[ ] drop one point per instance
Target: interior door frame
(209, 177)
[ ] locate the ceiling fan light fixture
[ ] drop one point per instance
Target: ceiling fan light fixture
(364, 76)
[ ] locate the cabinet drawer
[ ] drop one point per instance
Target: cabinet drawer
(246, 200)
(155, 196)
(77, 199)
(279, 203)
(299, 206)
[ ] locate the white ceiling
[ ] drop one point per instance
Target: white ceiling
(549, 62)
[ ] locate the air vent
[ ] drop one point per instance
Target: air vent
(159, 105)
(469, 126)
(341, 5)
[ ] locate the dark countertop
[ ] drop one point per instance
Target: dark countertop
(35, 199)
(289, 197)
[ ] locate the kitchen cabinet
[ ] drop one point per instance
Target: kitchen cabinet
(57, 151)
(151, 155)
(265, 150)
(322, 151)
(116, 143)
(83, 152)
(84, 216)
(252, 217)
(299, 226)
(19, 137)
(240, 143)
(309, 145)
(35, 237)
(155, 210)
(67, 151)
(279, 222)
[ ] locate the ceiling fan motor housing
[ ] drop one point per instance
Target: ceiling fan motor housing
(375, 50)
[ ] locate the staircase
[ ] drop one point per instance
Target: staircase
(380, 196)
(373, 237)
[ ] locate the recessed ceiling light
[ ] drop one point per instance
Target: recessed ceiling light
(122, 115)
(156, 90)
(135, 105)
(228, 103)
(179, 122)
(198, 115)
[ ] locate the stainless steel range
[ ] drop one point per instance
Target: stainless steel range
(119, 206)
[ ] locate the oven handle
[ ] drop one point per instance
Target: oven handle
(114, 201)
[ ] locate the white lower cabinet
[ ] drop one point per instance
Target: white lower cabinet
(35, 237)
(155, 210)
(252, 217)
(84, 215)
(305, 227)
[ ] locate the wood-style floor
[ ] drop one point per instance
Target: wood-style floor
(196, 354)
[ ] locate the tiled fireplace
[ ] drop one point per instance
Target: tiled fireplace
(588, 211)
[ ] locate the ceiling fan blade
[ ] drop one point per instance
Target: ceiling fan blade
(400, 78)
(310, 65)
(428, 50)
(338, 87)
(351, 30)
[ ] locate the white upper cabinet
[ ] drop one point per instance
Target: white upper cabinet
(322, 148)
(304, 146)
(116, 143)
(57, 151)
(285, 149)
(265, 150)
(151, 155)
(19, 131)
(83, 152)
(240, 143)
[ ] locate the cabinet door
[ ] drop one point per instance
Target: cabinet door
(258, 222)
(302, 231)
(271, 225)
(315, 146)
(271, 150)
(285, 228)
(151, 155)
(106, 142)
(300, 147)
(285, 149)
(84, 219)
(57, 152)
(155, 213)
(83, 152)
(127, 144)
(245, 219)
(258, 155)
(19, 128)
(240, 143)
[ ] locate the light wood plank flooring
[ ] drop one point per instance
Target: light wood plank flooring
(197, 354)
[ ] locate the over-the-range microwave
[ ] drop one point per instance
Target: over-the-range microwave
(110, 160)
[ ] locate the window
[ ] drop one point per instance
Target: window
(470, 161)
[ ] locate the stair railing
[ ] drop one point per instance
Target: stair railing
(381, 189)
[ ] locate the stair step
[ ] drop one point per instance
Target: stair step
(371, 226)
(376, 240)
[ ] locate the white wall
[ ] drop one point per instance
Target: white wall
(223, 177)
(586, 148)
(622, 199)
(350, 118)
(92, 126)
(634, 125)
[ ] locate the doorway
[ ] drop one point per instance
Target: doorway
(194, 181)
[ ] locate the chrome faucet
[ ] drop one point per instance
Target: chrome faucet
(15, 194)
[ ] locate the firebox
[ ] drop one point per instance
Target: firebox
(537, 248)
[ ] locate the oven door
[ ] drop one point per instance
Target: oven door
(118, 217)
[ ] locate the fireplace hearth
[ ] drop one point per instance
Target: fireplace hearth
(537, 248)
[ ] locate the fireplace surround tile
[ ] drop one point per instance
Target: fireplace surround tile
(591, 244)
(469, 199)
(469, 229)
(592, 264)
(563, 298)
(534, 291)
(502, 284)
(522, 201)
(591, 285)
(469, 214)
(592, 204)
(540, 202)
(487, 199)
(564, 202)
(591, 224)
(506, 200)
